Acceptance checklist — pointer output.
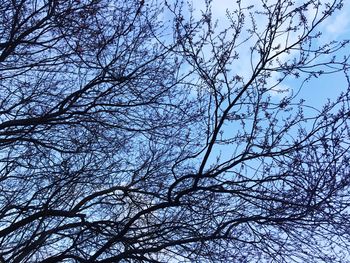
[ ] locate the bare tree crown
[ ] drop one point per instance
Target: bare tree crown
(152, 131)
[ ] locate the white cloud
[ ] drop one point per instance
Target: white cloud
(340, 23)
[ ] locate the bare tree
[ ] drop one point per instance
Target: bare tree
(147, 131)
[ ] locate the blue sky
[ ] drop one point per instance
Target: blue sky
(337, 27)
(316, 91)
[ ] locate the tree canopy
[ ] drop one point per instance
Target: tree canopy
(156, 131)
